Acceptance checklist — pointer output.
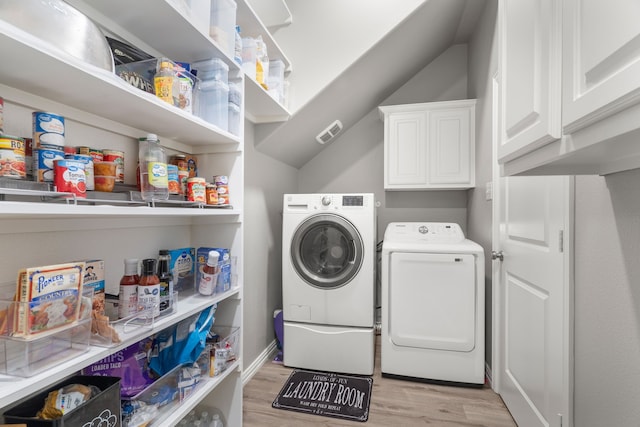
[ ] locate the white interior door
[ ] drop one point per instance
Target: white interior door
(534, 299)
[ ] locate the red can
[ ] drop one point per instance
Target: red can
(196, 190)
(69, 177)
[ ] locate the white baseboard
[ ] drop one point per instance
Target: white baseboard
(267, 354)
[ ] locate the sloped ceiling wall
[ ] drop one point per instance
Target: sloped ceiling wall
(424, 34)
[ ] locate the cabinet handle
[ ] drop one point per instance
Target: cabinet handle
(497, 255)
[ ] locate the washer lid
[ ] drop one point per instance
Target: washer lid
(327, 251)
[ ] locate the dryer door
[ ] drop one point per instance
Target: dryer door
(432, 300)
(327, 251)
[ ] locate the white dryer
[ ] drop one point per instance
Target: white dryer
(328, 282)
(432, 304)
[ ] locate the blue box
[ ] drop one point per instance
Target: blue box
(224, 264)
(183, 268)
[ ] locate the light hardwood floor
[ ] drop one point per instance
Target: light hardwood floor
(393, 403)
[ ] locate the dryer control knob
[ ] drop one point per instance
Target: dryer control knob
(326, 200)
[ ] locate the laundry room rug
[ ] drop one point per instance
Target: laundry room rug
(327, 394)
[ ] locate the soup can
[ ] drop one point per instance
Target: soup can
(212, 194)
(69, 177)
(221, 180)
(43, 163)
(48, 128)
(183, 176)
(174, 182)
(118, 158)
(196, 190)
(12, 157)
(88, 168)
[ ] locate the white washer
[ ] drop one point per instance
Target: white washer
(432, 304)
(328, 282)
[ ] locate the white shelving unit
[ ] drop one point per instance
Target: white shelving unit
(36, 76)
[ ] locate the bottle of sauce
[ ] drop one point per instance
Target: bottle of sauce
(149, 287)
(209, 276)
(128, 294)
(166, 281)
(163, 82)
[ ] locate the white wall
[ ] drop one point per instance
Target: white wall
(334, 33)
(483, 63)
(607, 300)
(266, 180)
(354, 161)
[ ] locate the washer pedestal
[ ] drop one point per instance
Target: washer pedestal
(329, 348)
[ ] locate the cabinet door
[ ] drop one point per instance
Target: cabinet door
(531, 72)
(405, 150)
(451, 147)
(601, 60)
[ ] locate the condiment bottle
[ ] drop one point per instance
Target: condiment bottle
(209, 276)
(128, 294)
(154, 179)
(166, 281)
(163, 82)
(149, 287)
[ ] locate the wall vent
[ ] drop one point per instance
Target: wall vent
(330, 132)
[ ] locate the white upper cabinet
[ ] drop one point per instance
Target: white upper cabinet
(595, 126)
(429, 146)
(601, 60)
(531, 71)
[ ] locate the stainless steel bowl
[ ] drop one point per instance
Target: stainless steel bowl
(61, 25)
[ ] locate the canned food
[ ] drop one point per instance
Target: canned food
(174, 182)
(88, 168)
(12, 157)
(180, 160)
(222, 189)
(48, 128)
(69, 177)
(28, 156)
(43, 163)
(212, 194)
(221, 180)
(196, 190)
(223, 199)
(183, 176)
(118, 158)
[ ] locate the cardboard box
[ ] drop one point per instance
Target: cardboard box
(93, 276)
(102, 409)
(183, 268)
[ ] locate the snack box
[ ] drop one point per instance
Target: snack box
(48, 297)
(183, 267)
(93, 276)
(102, 409)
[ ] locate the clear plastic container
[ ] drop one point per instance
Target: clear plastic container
(213, 100)
(234, 119)
(223, 25)
(154, 183)
(249, 56)
(212, 69)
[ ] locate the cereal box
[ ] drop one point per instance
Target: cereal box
(49, 297)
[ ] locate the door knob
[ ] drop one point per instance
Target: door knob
(497, 255)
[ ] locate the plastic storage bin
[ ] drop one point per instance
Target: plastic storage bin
(212, 69)
(102, 409)
(25, 356)
(234, 119)
(249, 56)
(224, 349)
(213, 100)
(235, 93)
(222, 27)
